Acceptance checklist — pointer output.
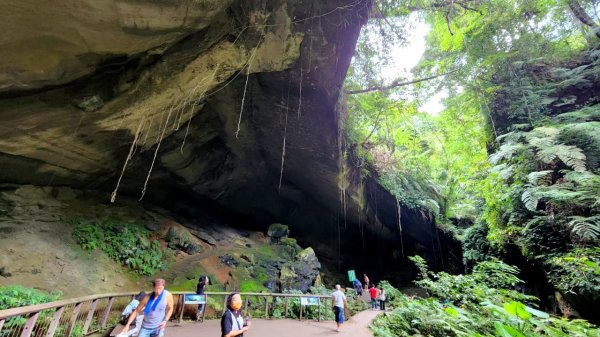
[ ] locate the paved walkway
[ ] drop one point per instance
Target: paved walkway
(357, 326)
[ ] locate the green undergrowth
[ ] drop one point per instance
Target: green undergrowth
(482, 303)
(126, 243)
(14, 296)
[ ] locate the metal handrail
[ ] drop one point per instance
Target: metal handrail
(50, 305)
(80, 314)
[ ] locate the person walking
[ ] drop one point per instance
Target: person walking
(129, 310)
(132, 306)
(339, 304)
(366, 279)
(157, 309)
(203, 281)
(373, 293)
(358, 287)
(232, 322)
(381, 298)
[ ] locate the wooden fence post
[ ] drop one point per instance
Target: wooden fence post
(54, 323)
(90, 316)
(111, 300)
(28, 328)
(182, 306)
(73, 320)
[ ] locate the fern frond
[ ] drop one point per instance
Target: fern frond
(572, 156)
(546, 132)
(503, 170)
(540, 143)
(540, 178)
(506, 151)
(510, 137)
(529, 199)
(546, 155)
(586, 178)
(585, 228)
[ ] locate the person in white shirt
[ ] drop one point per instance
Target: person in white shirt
(339, 303)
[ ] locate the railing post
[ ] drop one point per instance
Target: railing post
(286, 306)
(90, 316)
(54, 323)
(224, 304)
(300, 308)
(28, 328)
(319, 301)
(182, 302)
(266, 307)
(205, 306)
(73, 320)
(106, 312)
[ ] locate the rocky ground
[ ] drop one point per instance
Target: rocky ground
(37, 248)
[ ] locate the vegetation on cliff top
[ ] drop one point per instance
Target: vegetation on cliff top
(512, 160)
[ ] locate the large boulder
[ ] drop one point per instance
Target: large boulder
(301, 273)
(278, 231)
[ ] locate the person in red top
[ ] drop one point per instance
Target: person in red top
(373, 293)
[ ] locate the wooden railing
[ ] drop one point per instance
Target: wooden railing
(83, 316)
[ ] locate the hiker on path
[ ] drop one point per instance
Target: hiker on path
(373, 293)
(232, 322)
(358, 287)
(366, 279)
(382, 298)
(156, 308)
(129, 310)
(131, 306)
(203, 281)
(338, 303)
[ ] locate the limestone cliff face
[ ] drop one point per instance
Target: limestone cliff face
(227, 107)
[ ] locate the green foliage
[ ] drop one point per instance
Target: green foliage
(128, 244)
(475, 246)
(577, 272)
(355, 305)
(13, 296)
(490, 310)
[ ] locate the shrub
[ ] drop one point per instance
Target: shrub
(128, 244)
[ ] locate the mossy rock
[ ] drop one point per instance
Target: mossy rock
(180, 238)
(277, 231)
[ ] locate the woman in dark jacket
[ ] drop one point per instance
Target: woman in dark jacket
(203, 281)
(232, 322)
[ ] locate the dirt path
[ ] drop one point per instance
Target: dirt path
(357, 326)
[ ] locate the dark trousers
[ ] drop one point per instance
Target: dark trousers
(381, 305)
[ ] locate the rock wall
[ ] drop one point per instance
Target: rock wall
(221, 111)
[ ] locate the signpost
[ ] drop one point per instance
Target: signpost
(351, 275)
(192, 299)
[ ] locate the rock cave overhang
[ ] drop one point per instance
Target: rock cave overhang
(218, 177)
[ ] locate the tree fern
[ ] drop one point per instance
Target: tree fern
(529, 199)
(587, 229)
(540, 178)
(572, 156)
(505, 171)
(506, 151)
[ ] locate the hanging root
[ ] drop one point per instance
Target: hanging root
(113, 195)
(283, 151)
(300, 94)
(246, 86)
(187, 128)
(156, 153)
